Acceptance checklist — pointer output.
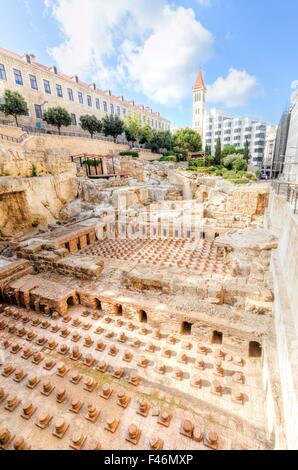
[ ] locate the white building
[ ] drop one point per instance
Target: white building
(291, 158)
(234, 131)
(271, 132)
(198, 104)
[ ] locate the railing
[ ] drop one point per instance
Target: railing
(16, 140)
(94, 166)
(35, 130)
(287, 190)
(51, 131)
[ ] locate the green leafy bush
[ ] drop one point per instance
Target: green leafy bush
(129, 153)
(168, 158)
(238, 180)
(91, 162)
(239, 164)
(228, 161)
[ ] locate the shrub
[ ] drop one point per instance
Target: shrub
(228, 161)
(238, 180)
(239, 164)
(91, 162)
(168, 158)
(129, 153)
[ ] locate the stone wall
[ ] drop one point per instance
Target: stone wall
(284, 266)
(22, 163)
(72, 145)
(32, 202)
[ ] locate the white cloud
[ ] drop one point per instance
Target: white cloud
(236, 89)
(205, 3)
(294, 84)
(150, 45)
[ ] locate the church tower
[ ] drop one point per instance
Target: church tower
(198, 104)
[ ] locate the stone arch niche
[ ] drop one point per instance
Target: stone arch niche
(217, 337)
(72, 300)
(119, 309)
(97, 303)
(186, 328)
(143, 317)
(254, 349)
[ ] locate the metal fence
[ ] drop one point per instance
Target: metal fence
(287, 190)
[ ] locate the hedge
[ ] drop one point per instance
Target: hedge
(129, 153)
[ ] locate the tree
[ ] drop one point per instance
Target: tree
(239, 164)
(161, 141)
(147, 134)
(57, 117)
(184, 141)
(133, 128)
(217, 155)
(112, 126)
(208, 149)
(246, 153)
(228, 150)
(14, 105)
(90, 124)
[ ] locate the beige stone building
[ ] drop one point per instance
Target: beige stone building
(45, 87)
(198, 107)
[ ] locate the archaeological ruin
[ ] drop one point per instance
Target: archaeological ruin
(143, 306)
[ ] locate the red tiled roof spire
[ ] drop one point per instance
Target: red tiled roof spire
(199, 81)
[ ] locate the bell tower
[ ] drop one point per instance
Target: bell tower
(198, 104)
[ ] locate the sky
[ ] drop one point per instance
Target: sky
(151, 50)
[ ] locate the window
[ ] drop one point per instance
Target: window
(2, 72)
(73, 119)
(112, 108)
(33, 82)
(97, 103)
(59, 91)
(118, 110)
(124, 111)
(18, 77)
(89, 101)
(38, 111)
(105, 107)
(47, 87)
(80, 97)
(70, 94)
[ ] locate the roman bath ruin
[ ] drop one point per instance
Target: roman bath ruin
(144, 307)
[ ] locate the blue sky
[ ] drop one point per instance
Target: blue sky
(151, 50)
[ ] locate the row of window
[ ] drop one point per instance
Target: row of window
(237, 140)
(218, 120)
(59, 92)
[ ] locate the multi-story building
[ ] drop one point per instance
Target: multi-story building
(198, 104)
(235, 131)
(281, 144)
(44, 87)
(290, 171)
(269, 148)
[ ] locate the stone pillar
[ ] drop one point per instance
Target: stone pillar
(83, 241)
(73, 245)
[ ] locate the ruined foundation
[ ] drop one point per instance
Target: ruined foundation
(121, 330)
